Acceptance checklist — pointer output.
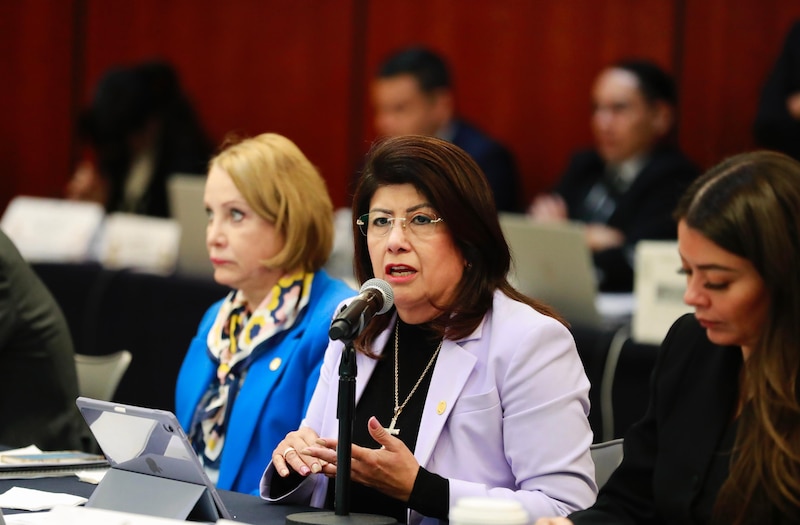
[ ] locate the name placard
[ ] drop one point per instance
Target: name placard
(53, 230)
(147, 244)
(658, 289)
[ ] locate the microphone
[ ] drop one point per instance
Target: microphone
(375, 297)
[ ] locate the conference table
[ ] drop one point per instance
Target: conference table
(245, 508)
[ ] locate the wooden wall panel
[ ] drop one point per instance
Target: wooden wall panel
(729, 47)
(524, 70)
(250, 66)
(36, 67)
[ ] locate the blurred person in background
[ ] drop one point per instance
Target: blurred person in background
(412, 94)
(777, 123)
(141, 128)
(625, 188)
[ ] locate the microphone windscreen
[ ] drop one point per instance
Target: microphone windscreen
(385, 290)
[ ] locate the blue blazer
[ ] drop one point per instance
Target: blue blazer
(275, 392)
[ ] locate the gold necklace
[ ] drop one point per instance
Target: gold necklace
(397, 406)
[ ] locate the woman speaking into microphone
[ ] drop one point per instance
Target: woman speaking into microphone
(458, 381)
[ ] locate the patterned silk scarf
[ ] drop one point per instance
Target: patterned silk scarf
(234, 342)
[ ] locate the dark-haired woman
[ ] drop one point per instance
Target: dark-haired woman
(466, 387)
(720, 442)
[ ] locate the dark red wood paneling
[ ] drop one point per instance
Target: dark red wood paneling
(251, 66)
(729, 48)
(523, 70)
(36, 39)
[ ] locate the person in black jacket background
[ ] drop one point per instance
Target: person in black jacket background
(141, 128)
(626, 187)
(777, 123)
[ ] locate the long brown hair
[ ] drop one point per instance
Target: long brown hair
(459, 192)
(750, 206)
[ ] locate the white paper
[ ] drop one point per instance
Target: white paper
(615, 305)
(94, 516)
(30, 518)
(94, 476)
(30, 449)
(30, 499)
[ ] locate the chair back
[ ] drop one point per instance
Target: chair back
(99, 375)
(607, 456)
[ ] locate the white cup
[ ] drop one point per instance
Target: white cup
(488, 511)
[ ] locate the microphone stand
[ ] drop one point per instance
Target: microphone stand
(348, 371)
(345, 413)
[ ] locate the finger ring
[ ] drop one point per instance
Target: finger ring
(288, 449)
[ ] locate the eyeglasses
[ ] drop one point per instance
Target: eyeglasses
(379, 223)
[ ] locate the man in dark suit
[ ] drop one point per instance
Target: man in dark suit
(412, 94)
(40, 383)
(626, 188)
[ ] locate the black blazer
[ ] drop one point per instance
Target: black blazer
(693, 394)
(644, 211)
(40, 384)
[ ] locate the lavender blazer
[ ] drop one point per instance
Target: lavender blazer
(505, 416)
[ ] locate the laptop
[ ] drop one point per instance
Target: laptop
(154, 469)
(552, 263)
(185, 192)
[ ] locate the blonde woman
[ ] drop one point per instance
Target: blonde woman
(251, 369)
